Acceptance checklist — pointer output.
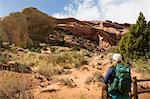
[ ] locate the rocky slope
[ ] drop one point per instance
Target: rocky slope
(31, 26)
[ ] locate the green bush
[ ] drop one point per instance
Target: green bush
(135, 44)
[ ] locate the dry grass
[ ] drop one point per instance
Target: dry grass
(49, 71)
(63, 57)
(142, 66)
(56, 63)
(14, 87)
(4, 56)
(96, 77)
(68, 82)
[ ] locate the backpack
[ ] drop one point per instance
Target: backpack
(122, 80)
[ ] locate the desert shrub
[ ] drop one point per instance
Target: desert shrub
(23, 68)
(70, 57)
(4, 57)
(89, 80)
(85, 52)
(14, 87)
(68, 82)
(142, 66)
(62, 57)
(54, 48)
(82, 96)
(62, 49)
(77, 48)
(35, 49)
(49, 70)
(96, 77)
(53, 97)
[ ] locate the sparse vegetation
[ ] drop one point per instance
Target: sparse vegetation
(142, 66)
(4, 57)
(53, 97)
(82, 96)
(58, 58)
(46, 64)
(68, 82)
(97, 77)
(89, 80)
(49, 70)
(14, 87)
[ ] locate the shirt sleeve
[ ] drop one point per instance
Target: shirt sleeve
(108, 75)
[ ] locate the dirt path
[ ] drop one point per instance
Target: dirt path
(78, 77)
(81, 90)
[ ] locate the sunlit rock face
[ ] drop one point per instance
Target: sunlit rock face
(30, 26)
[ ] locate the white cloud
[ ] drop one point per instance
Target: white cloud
(81, 9)
(116, 10)
(126, 11)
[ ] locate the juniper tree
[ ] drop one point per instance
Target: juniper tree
(135, 43)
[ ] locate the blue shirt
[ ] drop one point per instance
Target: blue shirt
(110, 75)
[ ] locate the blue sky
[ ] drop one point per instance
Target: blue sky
(115, 10)
(48, 6)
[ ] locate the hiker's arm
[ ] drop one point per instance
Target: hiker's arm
(107, 77)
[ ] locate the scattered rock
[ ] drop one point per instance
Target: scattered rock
(93, 66)
(85, 68)
(11, 63)
(76, 77)
(42, 84)
(46, 51)
(39, 77)
(50, 89)
(99, 68)
(99, 64)
(89, 80)
(20, 49)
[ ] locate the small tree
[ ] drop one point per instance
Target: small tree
(135, 43)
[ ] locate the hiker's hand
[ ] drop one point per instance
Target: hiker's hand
(104, 86)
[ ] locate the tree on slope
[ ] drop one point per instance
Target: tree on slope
(135, 44)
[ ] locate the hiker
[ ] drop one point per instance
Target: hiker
(118, 79)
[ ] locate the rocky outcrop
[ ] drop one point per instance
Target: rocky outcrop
(14, 29)
(39, 24)
(31, 26)
(25, 27)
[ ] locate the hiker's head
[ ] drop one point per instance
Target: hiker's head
(117, 58)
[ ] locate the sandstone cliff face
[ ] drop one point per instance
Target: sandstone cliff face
(25, 27)
(38, 24)
(14, 29)
(31, 25)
